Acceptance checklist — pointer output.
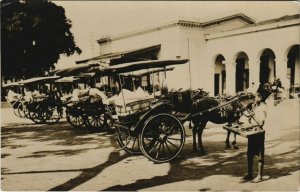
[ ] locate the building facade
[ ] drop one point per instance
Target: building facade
(226, 54)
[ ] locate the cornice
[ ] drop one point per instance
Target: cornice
(182, 23)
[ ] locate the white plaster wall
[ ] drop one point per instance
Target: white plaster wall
(229, 25)
(191, 43)
(253, 44)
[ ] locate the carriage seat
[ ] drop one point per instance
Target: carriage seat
(138, 101)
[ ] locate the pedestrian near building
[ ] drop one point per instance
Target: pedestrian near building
(256, 143)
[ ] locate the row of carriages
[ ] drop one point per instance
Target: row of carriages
(148, 124)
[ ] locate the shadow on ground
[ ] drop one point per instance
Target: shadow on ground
(217, 162)
(188, 166)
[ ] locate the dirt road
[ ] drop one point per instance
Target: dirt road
(59, 157)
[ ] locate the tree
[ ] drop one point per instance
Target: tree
(33, 35)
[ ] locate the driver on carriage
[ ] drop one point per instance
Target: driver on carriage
(95, 94)
(12, 96)
(30, 93)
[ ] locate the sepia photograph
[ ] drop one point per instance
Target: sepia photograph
(150, 95)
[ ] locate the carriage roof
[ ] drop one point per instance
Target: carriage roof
(143, 72)
(67, 79)
(38, 79)
(79, 70)
(135, 66)
(12, 84)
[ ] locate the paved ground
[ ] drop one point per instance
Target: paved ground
(58, 157)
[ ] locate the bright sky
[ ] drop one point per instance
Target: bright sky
(93, 19)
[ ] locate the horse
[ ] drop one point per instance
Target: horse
(210, 109)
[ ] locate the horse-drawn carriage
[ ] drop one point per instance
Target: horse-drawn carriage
(39, 107)
(84, 109)
(153, 125)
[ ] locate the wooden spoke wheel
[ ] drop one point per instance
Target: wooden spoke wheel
(22, 110)
(16, 108)
(129, 143)
(109, 121)
(75, 120)
(34, 113)
(162, 138)
(50, 112)
(35, 117)
(95, 120)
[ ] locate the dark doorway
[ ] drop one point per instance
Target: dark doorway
(264, 69)
(293, 56)
(223, 80)
(217, 80)
(240, 74)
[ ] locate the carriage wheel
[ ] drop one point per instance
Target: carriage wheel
(76, 121)
(162, 138)
(129, 143)
(32, 112)
(16, 110)
(23, 111)
(95, 122)
(51, 113)
(109, 121)
(35, 117)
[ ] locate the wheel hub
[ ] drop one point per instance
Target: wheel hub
(162, 137)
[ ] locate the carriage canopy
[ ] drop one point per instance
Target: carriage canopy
(135, 66)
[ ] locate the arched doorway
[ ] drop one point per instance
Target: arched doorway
(220, 75)
(267, 72)
(293, 68)
(242, 72)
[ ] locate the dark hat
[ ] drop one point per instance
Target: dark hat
(264, 90)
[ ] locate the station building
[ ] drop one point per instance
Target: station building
(226, 54)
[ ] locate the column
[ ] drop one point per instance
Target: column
(254, 66)
(230, 67)
(281, 71)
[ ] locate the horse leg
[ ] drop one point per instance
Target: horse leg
(201, 127)
(227, 139)
(234, 142)
(194, 138)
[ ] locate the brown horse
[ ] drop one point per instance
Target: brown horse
(209, 109)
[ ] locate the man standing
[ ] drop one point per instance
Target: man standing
(256, 143)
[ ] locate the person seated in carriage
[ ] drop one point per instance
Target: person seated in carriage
(30, 93)
(95, 94)
(79, 92)
(12, 96)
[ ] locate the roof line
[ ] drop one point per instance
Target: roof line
(184, 23)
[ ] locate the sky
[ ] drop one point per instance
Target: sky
(92, 20)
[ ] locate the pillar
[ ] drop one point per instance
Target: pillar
(254, 66)
(230, 76)
(281, 71)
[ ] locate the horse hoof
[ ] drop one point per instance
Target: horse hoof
(228, 147)
(236, 147)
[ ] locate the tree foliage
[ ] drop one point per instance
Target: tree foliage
(33, 35)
